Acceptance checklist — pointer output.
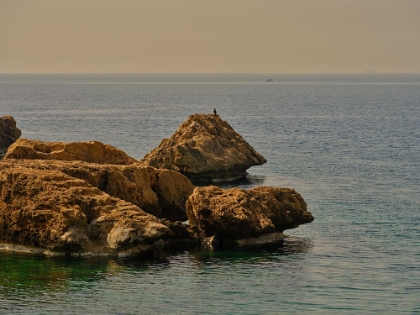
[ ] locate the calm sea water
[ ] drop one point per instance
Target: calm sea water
(350, 144)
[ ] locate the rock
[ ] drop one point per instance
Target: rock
(162, 193)
(234, 215)
(92, 198)
(157, 191)
(45, 208)
(173, 190)
(205, 147)
(9, 133)
(90, 151)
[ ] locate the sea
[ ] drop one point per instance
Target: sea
(349, 144)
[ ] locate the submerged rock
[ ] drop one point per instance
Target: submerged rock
(9, 133)
(234, 216)
(205, 147)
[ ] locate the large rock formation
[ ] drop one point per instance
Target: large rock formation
(48, 209)
(232, 215)
(89, 197)
(9, 133)
(205, 147)
(162, 193)
(157, 191)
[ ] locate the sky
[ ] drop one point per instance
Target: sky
(201, 36)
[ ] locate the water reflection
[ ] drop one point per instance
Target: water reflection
(29, 275)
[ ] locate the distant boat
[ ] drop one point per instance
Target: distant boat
(269, 80)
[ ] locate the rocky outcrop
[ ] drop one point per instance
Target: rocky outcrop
(157, 191)
(162, 193)
(49, 209)
(89, 197)
(90, 151)
(9, 133)
(80, 207)
(235, 215)
(205, 147)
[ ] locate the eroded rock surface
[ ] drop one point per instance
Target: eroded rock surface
(157, 191)
(205, 147)
(89, 151)
(236, 214)
(49, 209)
(89, 197)
(161, 193)
(9, 133)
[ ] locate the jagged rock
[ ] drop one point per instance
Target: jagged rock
(89, 197)
(236, 215)
(162, 193)
(49, 209)
(205, 147)
(157, 191)
(90, 151)
(9, 133)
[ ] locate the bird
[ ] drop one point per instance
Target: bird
(215, 111)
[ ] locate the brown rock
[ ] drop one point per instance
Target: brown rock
(9, 133)
(49, 209)
(90, 151)
(173, 190)
(91, 197)
(159, 192)
(205, 147)
(235, 214)
(162, 193)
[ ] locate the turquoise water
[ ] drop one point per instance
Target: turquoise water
(350, 144)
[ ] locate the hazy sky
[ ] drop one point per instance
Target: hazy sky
(200, 36)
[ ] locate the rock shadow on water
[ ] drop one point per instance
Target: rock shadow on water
(290, 246)
(249, 180)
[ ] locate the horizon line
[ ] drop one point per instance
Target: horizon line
(206, 73)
